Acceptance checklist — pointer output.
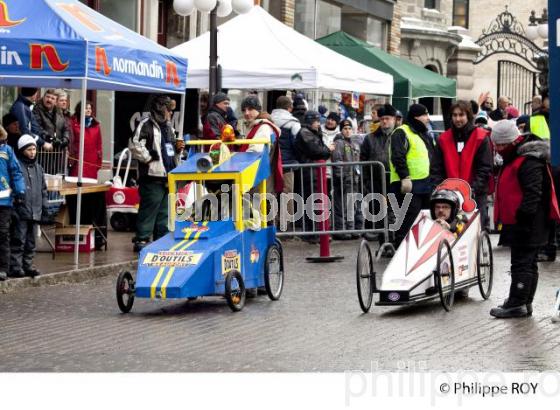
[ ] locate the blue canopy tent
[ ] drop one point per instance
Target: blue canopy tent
(65, 44)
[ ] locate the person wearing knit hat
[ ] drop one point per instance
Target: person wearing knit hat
(220, 97)
(345, 180)
(11, 125)
(251, 102)
(526, 209)
(257, 126)
(30, 212)
(25, 141)
(330, 128)
(521, 123)
(375, 147)
(216, 117)
(310, 147)
(411, 164)
(28, 124)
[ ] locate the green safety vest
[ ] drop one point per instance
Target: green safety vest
(539, 127)
(417, 157)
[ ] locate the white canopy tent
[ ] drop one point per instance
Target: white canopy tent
(257, 51)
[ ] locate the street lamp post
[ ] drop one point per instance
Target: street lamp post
(216, 8)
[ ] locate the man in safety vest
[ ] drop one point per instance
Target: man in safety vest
(538, 122)
(525, 205)
(412, 161)
(466, 153)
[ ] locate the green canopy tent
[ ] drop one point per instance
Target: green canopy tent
(411, 81)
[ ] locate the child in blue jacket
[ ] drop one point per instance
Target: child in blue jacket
(12, 190)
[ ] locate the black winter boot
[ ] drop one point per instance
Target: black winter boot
(516, 304)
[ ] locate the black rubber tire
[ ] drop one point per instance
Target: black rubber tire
(485, 276)
(365, 276)
(119, 222)
(235, 295)
(274, 255)
(125, 289)
(446, 292)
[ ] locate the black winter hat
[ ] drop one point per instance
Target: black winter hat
(251, 101)
(417, 110)
(219, 97)
(28, 91)
(386, 110)
(345, 123)
(311, 116)
(333, 116)
(8, 119)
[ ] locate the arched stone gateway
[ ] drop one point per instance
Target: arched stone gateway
(506, 35)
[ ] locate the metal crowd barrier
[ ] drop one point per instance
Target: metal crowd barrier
(54, 163)
(361, 182)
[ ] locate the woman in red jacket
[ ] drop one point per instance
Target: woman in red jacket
(93, 150)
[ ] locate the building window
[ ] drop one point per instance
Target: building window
(377, 33)
(327, 20)
(430, 4)
(461, 13)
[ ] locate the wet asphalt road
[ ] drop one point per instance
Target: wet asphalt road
(316, 326)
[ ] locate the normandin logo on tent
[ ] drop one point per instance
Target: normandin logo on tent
(138, 68)
(5, 20)
(38, 51)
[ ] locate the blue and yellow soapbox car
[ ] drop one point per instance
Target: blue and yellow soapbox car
(219, 244)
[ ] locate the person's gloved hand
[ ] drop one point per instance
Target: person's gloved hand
(406, 186)
(154, 154)
(19, 198)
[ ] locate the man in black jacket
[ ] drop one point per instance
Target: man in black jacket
(51, 120)
(525, 206)
(216, 117)
(310, 147)
(376, 147)
(157, 151)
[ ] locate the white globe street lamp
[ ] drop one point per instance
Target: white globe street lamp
(216, 8)
(183, 7)
(206, 6)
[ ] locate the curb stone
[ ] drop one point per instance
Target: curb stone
(70, 276)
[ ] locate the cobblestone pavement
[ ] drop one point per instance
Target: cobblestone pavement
(316, 326)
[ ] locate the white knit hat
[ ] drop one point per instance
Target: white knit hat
(25, 141)
(504, 132)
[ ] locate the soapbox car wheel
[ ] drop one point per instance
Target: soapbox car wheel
(119, 222)
(274, 272)
(235, 290)
(125, 291)
(485, 265)
(445, 275)
(365, 276)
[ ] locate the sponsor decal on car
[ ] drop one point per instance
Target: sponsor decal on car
(255, 254)
(172, 258)
(393, 296)
(231, 260)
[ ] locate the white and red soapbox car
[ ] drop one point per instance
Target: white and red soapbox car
(431, 261)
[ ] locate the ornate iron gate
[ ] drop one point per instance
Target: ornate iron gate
(518, 83)
(506, 35)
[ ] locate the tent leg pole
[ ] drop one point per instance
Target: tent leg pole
(80, 173)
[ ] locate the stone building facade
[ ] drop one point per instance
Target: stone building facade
(442, 35)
